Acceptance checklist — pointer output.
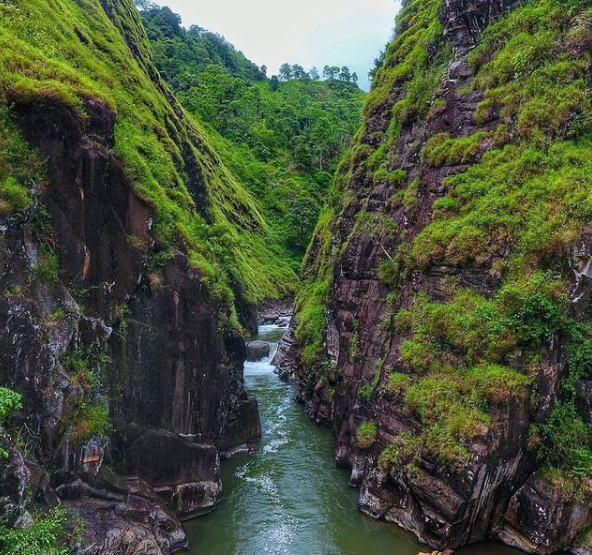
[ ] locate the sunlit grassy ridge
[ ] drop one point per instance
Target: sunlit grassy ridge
(68, 52)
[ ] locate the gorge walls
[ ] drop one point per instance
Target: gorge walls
(443, 327)
(119, 336)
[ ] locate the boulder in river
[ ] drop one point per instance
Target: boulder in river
(268, 319)
(257, 350)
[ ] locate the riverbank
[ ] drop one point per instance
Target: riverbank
(287, 497)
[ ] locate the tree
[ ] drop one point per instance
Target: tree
(197, 31)
(264, 69)
(314, 74)
(344, 74)
(331, 72)
(286, 72)
(145, 5)
(298, 72)
(301, 219)
(274, 83)
(169, 22)
(354, 78)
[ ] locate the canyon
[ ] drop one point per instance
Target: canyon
(441, 330)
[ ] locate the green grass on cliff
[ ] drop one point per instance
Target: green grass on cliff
(19, 167)
(416, 59)
(69, 52)
(518, 209)
(529, 194)
(523, 202)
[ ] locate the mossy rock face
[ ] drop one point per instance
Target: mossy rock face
(457, 248)
(127, 247)
(81, 52)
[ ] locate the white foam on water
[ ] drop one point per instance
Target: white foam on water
(268, 329)
(263, 366)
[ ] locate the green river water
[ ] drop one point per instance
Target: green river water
(288, 498)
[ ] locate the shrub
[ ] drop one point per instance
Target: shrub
(10, 401)
(13, 196)
(20, 166)
(47, 269)
(399, 453)
(366, 435)
(91, 420)
(355, 346)
(444, 150)
(366, 391)
(470, 328)
(567, 438)
(398, 383)
(53, 533)
(388, 272)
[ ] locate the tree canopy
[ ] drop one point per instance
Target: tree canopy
(281, 135)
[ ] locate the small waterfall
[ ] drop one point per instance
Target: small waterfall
(270, 334)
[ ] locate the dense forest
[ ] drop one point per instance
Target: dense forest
(281, 135)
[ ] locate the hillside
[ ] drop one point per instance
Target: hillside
(158, 145)
(443, 330)
(130, 256)
(282, 137)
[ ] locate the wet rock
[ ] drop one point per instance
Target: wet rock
(268, 319)
(257, 350)
(14, 480)
(243, 427)
(40, 485)
(132, 525)
(284, 363)
(543, 519)
(275, 312)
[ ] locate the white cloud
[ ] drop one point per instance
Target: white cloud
(307, 32)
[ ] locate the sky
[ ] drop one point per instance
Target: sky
(306, 32)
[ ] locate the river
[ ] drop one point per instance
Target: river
(288, 498)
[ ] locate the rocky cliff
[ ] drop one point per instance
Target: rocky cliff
(126, 252)
(443, 329)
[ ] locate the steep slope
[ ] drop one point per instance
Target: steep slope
(282, 138)
(128, 253)
(443, 329)
(95, 64)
